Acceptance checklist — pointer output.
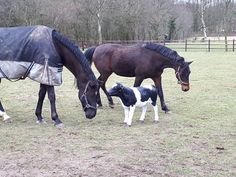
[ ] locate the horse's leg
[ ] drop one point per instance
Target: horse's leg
(99, 102)
(6, 118)
(103, 79)
(38, 111)
(52, 99)
(142, 117)
(3, 114)
(158, 85)
(138, 81)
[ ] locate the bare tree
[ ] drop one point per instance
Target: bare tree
(100, 20)
(228, 4)
(204, 4)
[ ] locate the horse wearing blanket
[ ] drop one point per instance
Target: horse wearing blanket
(39, 52)
(135, 97)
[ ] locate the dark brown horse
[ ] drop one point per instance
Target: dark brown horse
(141, 61)
(66, 54)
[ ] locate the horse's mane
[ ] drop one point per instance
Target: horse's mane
(165, 51)
(77, 52)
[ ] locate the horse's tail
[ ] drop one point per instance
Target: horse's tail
(89, 54)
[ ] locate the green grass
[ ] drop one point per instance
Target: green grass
(186, 142)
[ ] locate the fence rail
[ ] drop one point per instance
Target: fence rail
(180, 45)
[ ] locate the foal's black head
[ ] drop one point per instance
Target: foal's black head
(116, 90)
(182, 73)
(88, 98)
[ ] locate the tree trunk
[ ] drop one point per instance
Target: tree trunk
(203, 10)
(226, 22)
(99, 29)
(99, 21)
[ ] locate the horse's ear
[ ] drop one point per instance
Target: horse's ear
(119, 85)
(189, 62)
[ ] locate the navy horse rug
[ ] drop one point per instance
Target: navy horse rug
(29, 52)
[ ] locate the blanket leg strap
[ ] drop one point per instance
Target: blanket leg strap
(22, 77)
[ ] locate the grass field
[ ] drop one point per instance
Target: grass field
(198, 137)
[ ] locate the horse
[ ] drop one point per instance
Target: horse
(39, 52)
(142, 61)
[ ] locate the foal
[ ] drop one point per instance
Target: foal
(135, 96)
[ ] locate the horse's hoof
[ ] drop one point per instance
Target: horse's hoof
(141, 121)
(166, 109)
(60, 125)
(111, 106)
(156, 121)
(99, 106)
(8, 120)
(41, 121)
(127, 126)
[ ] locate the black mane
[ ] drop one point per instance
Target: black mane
(77, 52)
(165, 51)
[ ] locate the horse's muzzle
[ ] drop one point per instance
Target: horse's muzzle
(185, 87)
(90, 113)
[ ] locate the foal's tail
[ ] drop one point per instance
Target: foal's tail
(89, 54)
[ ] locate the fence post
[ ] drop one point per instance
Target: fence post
(209, 45)
(233, 44)
(226, 44)
(186, 45)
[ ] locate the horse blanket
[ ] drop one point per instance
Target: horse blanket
(30, 52)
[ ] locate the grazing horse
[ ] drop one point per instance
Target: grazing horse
(142, 61)
(39, 52)
(135, 97)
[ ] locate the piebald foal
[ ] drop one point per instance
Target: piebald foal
(135, 97)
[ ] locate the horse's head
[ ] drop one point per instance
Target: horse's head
(88, 98)
(116, 90)
(182, 73)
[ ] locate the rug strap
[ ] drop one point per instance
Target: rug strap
(22, 77)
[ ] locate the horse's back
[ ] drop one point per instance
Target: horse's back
(128, 61)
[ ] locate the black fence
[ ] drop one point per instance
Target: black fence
(179, 45)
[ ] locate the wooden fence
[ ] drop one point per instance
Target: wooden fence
(179, 45)
(208, 45)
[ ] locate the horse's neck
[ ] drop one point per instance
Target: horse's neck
(76, 69)
(167, 63)
(72, 64)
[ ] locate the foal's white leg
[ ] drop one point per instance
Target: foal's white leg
(131, 113)
(126, 110)
(156, 119)
(5, 116)
(144, 109)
